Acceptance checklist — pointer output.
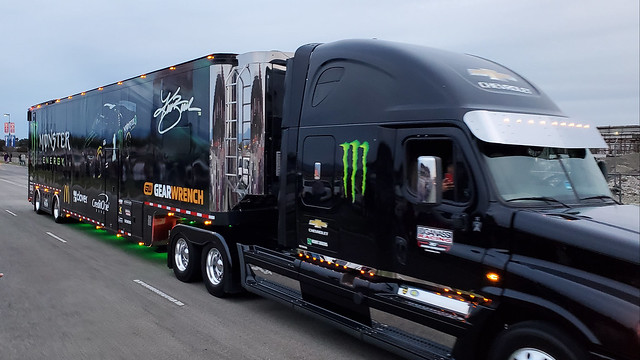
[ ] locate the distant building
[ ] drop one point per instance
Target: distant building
(622, 140)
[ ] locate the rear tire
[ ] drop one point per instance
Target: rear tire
(56, 210)
(37, 206)
(535, 340)
(216, 269)
(185, 258)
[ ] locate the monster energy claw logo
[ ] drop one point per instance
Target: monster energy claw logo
(353, 148)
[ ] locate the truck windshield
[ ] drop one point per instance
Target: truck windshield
(545, 174)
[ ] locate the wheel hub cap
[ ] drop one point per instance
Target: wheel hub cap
(181, 256)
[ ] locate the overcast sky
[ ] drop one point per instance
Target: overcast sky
(583, 53)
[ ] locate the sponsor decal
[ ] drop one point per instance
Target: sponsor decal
(79, 197)
(101, 204)
(434, 240)
(486, 85)
(54, 160)
(130, 125)
(65, 194)
(319, 232)
(53, 141)
(318, 224)
(170, 103)
(178, 193)
(317, 242)
(352, 150)
(148, 188)
(492, 76)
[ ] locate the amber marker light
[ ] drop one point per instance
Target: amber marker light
(83, 93)
(143, 76)
(493, 277)
(171, 214)
(210, 57)
(119, 82)
(119, 235)
(100, 88)
(207, 222)
(172, 68)
(141, 243)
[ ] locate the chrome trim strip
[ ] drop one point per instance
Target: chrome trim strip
(426, 297)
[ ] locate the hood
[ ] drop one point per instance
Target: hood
(610, 230)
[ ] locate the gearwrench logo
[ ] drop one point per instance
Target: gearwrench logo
(352, 150)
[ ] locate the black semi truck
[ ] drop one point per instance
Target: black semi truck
(402, 193)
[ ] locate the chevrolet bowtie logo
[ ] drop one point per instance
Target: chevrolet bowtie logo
(318, 224)
(491, 74)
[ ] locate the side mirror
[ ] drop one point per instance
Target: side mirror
(429, 180)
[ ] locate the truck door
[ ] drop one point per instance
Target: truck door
(108, 200)
(441, 244)
(319, 193)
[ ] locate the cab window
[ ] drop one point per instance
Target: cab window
(456, 184)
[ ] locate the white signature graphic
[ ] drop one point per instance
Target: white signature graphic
(173, 103)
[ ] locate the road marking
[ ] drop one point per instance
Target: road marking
(56, 237)
(11, 213)
(13, 183)
(149, 287)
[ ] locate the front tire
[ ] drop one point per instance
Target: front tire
(535, 340)
(216, 269)
(185, 259)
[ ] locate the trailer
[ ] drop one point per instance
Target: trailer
(393, 190)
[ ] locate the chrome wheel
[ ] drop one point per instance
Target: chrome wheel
(530, 354)
(56, 210)
(214, 266)
(181, 255)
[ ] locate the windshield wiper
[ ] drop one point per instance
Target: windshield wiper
(601, 197)
(541, 198)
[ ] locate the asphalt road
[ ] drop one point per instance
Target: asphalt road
(72, 292)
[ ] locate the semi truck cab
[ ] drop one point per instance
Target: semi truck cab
(447, 190)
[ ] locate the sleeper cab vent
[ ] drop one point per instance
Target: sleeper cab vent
(327, 81)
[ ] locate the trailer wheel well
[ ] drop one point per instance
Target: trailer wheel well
(199, 238)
